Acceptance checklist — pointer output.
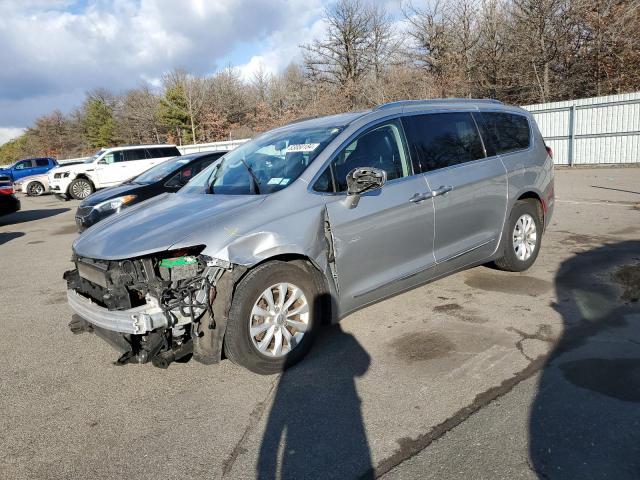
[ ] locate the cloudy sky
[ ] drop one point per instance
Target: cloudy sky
(53, 51)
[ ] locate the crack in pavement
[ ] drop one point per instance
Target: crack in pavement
(254, 418)
(543, 333)
(409, 447)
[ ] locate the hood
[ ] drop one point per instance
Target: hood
(109, 193)
(74, 168)
(159, 223)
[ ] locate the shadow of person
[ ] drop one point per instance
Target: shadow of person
(315, 427)
(585, 418)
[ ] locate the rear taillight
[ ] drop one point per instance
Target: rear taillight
(549, 151)
(6, 190)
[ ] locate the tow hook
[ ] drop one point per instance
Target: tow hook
(79, 325)
(164, 359)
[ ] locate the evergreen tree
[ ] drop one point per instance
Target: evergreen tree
(174, 113)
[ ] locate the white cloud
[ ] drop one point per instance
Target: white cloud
(54, 50)
(283, 46)
(7, 134)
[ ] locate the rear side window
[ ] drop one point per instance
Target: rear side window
(507, 132)
(187, 173)
(136, 154)
(42, 162)
(159, 152)
(441, 140)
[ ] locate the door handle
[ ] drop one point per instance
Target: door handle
(419, 197)
(441, 191)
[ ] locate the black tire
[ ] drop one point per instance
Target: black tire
(238, 345)
(35, 189)
(80, 188)
(509, 261)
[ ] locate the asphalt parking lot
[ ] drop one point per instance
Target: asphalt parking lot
(483, 374)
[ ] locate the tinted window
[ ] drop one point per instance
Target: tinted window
(440, 140)
(382, 147)
(159, 152)
(42, 162)
(187, 173)
(507, 131)
(137, 154)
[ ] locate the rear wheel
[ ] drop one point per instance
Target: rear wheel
(273, 318)
(80, 188)
(35, 189)
(522, 237)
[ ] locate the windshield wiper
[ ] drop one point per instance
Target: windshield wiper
(215, 177)
(256, 182)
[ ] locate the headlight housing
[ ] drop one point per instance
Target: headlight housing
(115, 204)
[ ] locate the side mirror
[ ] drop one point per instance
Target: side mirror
(365, 179)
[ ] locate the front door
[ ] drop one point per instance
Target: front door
(384, 243)
(469, 189)
(110, 169)
(23, 168)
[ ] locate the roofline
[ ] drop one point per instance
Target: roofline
(140, 146)
(437, 101)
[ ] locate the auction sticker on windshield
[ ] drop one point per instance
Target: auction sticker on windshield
(302, 147)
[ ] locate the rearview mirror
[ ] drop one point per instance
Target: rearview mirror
(365, 179)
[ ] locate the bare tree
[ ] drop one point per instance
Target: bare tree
(342, 57)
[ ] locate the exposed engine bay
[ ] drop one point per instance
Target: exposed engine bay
(153, 308)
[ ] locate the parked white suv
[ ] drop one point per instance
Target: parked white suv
(108, 167)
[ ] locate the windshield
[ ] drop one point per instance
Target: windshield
(264, 165)
(91, 159)
(163, 169)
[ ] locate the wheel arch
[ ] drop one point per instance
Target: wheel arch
(537, 197)
(80, 176)
(28, 184)
(313, 268)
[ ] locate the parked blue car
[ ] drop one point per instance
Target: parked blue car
(29, 166)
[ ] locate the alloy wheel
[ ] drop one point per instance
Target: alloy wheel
(81, 189)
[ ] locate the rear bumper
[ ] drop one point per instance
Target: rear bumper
(136, 321)
(11, 206)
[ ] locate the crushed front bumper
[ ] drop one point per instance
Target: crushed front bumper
(137, 321)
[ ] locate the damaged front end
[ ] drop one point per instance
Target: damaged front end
(157, 308)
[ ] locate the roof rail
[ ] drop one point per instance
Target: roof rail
(436, 101)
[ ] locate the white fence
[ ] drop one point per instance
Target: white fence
(600, 130)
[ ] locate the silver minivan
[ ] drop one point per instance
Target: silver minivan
(310, 222)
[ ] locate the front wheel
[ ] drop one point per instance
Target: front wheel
(80, 188)
(273, 318)
(522, 237)
(35, 189)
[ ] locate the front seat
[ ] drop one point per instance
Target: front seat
(376, 149)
